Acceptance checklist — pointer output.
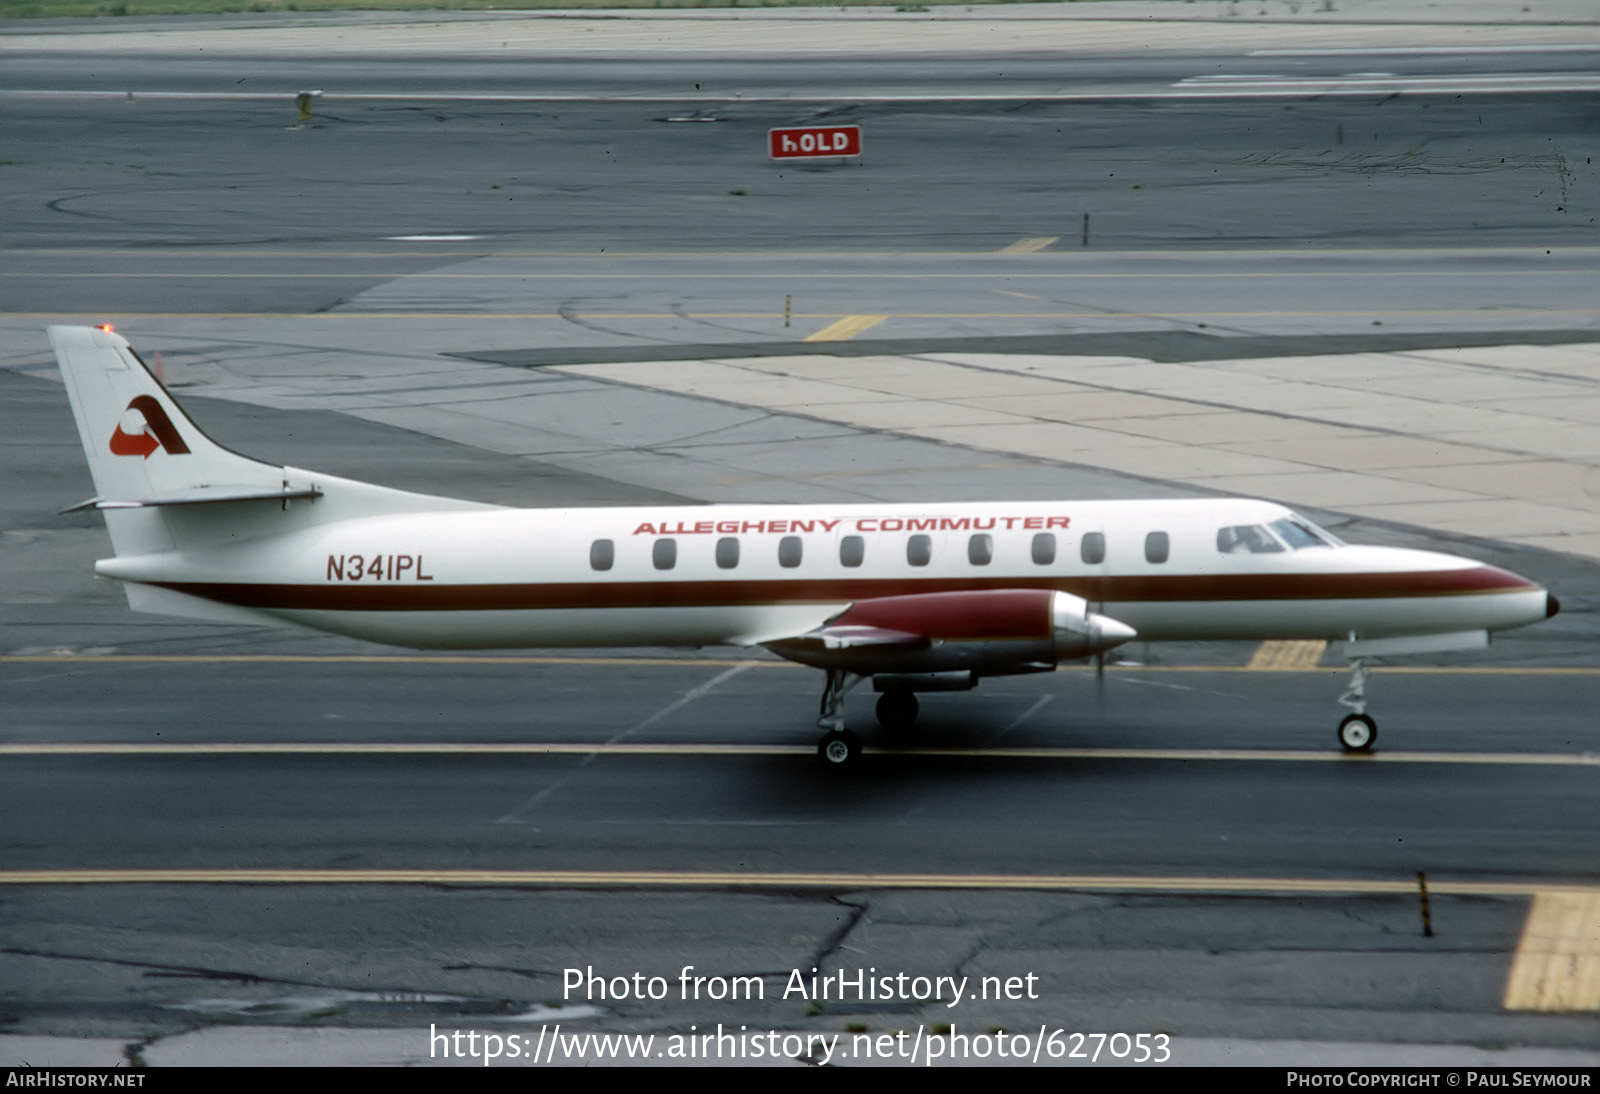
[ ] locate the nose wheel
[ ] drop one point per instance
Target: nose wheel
(1357, 733)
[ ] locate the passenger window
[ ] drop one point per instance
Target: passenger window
(1157, 546)
(789, 550)
(1044, 548)
(664, 554)
(852, 550)
(602, 554)
(1246, 539)
(980, 550)
(727, 552)
(1093, 548)
(919, 550)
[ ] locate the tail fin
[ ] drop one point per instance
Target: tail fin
(150, 463)
(139, 443)
(143, 450)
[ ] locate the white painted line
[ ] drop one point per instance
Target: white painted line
(1438, 85)
(616, 742)
(1242, 87)
(1420, 51)
(433, 238)
(617, 748)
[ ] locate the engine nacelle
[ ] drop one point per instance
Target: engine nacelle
(987, 632)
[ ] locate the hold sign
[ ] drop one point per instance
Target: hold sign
(825, 140)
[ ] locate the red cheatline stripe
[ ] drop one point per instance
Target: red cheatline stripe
(1108, 591)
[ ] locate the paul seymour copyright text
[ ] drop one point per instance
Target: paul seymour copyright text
(1460, 1078)
(920, 1045)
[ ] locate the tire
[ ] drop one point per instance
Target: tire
(1357, 733)
(839, 749)
(897, 709)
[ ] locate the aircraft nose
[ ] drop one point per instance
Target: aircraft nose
(1551, 606)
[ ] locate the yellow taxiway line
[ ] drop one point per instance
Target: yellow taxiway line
(1029, 246)
(845, 329)
(1557, 966)
(780, 880)
(1287, 656)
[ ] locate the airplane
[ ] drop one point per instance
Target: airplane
(916, 597)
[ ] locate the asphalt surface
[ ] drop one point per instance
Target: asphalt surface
(197, 218)
(1381, 171)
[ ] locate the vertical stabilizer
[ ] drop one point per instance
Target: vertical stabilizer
(138, 442)
(163, 485)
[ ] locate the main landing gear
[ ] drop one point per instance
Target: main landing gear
(897, 710)
(838, 748)
(1358, 731)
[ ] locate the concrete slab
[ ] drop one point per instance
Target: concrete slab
(1558, 440)
(1586, 545)
(1582, 359)
(784, 392)
(1085, 367)
(1333, 370)
(913, 415)
(1078, 403)
(1222, 428)
(1048, 440)
(1502, 518)
(1332, 489)
(1482, 389)
(935, 381)
(670, 375)
(1379, 452)
(1586, 409)
(843, 369)
(1450, 455)
(1567, 484)
(1191, 464)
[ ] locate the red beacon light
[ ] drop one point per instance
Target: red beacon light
(106, 327)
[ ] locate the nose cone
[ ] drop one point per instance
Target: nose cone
(1551, 606)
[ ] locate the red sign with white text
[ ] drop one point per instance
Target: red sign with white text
(825, 140)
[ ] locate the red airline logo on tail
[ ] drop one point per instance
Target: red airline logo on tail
(156, 431)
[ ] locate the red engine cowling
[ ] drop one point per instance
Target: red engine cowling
(987, 632)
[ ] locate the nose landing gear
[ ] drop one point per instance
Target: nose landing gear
(1358, 731)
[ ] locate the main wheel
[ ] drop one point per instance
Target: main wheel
(1357, 732)
(839, 748)
(897, 708)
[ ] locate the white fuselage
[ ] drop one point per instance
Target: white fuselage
(741, 575)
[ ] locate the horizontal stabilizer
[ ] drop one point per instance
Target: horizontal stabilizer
(201, 495)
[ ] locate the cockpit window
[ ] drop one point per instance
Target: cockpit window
(1299, 533)
(1246, 539)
